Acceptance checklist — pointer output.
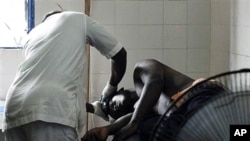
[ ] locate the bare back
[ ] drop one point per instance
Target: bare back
(168, 82)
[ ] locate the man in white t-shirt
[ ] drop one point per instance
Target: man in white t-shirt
(47, 98)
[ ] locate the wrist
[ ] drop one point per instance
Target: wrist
(108, 90)
(111, 86)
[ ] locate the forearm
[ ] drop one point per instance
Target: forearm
(118, 67)
(118, 124)
(149, 97)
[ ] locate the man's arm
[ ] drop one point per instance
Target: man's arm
(149, 80)
(118, 69)
(101, 133)
(118, 124)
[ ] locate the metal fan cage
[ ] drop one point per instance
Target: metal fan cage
(234, 102)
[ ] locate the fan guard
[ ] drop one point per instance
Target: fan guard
(212, 120)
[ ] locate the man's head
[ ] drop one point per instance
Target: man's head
(51, 13)
(121, 103)
(117, 105)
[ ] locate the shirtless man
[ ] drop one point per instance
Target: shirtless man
(155, 86)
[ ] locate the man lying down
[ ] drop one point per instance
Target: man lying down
(135, 112)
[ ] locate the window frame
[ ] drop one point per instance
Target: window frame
(30, 22)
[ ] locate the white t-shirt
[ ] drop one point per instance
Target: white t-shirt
(50, 83)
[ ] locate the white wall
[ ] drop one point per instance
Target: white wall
(240, 34)
(196, 37)
(44, 6)
(230, 35)
(9, 62)
(177, 32)
(220, 36)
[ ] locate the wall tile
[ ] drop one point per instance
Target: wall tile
(199, 36)
(220, 48)
(221, 12)
(240, 40)
(98, 62)
(220, 37)
(98, 82)
(136, 55)
(220, 61)
(175, 36)
(151, 36)
(240, 33)
(239, 61)
(127, 12)
(103, 11)
(73, 6)
(44, 6)
(240, 12)
(151, 12)
(199, 12)
(128, 35)
(176, 58)
(198, 60)
(175, 12)
(127, 81)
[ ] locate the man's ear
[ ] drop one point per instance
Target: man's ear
(89, 108)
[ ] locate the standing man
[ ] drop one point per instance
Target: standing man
(47, 98)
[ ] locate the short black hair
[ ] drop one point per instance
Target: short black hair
(51, 13)
(131, 95)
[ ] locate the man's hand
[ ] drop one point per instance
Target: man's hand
(96, 134)
(107, 91)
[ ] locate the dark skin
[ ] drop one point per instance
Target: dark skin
(155, 84)
(121, 107)
(122, 103)
(118, 67)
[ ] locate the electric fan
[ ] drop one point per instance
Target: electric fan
(212, 120)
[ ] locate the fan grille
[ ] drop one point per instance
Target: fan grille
(211, 121)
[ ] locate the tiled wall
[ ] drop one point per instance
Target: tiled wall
(220, 36)
(230, 35)
(176, 32)
(240, 34)
(192, 36)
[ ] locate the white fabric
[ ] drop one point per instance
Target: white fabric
(108, 90)
(41, 131)
(50, 83)
(97, 105)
